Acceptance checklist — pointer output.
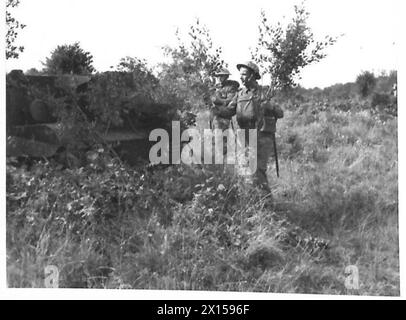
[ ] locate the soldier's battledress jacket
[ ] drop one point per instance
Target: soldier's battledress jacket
(223, 95)
(252, 110)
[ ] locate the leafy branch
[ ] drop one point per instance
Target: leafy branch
(13, 26)
(283, 52)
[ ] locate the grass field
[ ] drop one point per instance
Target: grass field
(107, 225)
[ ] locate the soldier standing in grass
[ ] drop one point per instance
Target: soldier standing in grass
(225, 90)
(253, 110)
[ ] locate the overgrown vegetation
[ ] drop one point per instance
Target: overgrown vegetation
(192, 64)
(380, 98)
(283, 51)
(106, 224)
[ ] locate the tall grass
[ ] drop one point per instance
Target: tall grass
(200, 228)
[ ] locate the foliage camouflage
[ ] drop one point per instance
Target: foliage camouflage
(111, 106)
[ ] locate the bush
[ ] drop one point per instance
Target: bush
(195, 227)
(384, 104)
(366, 83)
(380, 100)
(106, 225)
(192, 65)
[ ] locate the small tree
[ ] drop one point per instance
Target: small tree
(33, 72)
(366, 83)
(192, 66)
(144, 80)
(69, 59)
(13, 26)
(283, 53)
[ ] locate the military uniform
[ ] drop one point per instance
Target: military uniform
(253, 111)
(223, 95)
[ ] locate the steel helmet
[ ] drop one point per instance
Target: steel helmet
(252, 66)
(222, 72)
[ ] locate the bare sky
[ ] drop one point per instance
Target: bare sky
(111, 30)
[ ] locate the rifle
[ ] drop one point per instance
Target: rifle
(211, 118)
(276, 155)
(268, 96)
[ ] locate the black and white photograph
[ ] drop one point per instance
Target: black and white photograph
(202, 146)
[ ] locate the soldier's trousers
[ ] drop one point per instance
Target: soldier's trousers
(263, 153)
(222, 124)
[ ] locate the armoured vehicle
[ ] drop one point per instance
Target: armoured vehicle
(33, 129)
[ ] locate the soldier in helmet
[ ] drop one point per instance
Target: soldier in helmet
(253, 110)
(225, 91)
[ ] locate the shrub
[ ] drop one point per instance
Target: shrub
(366, 82)
(69, 59)
(192, 64)
(384, 104)
(380, 100)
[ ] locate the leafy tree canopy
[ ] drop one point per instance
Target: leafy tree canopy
(69, 59)
(193, 62)
(283, 52)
